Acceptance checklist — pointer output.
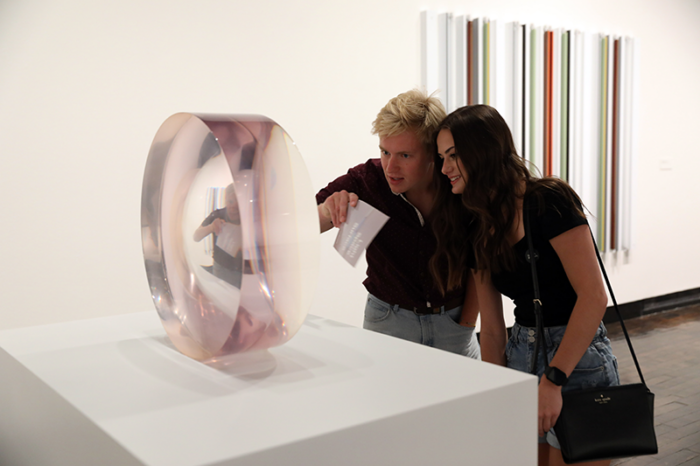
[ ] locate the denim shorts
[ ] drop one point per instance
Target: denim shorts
(441, 330)
(597, 367)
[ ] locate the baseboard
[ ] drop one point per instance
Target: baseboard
(648, 306)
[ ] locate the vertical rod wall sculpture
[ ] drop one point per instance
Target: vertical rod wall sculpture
(566, 94)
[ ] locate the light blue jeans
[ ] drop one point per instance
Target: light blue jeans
(441, 330)
(596, 368)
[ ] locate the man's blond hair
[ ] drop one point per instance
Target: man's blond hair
(413, 110)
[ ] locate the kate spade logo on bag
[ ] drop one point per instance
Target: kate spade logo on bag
(602, 399)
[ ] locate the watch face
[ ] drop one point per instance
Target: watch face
(556, 376)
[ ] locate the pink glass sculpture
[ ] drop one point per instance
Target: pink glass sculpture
(230, 234)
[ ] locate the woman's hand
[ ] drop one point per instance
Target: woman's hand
(483, 299)
(549, 403)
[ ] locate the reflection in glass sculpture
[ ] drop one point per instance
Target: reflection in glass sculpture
(230, 233)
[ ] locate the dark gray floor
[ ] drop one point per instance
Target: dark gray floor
(668, 349)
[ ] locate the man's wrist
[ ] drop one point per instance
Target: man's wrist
(324, 215)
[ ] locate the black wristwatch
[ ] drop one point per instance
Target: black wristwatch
(556, 376)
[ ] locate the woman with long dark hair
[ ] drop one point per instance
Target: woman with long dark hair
(479, 221)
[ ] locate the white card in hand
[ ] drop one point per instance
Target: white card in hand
(230, 239)
(361, 226)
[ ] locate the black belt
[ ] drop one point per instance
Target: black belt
(455, 302)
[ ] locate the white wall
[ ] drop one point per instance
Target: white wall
(84, 86)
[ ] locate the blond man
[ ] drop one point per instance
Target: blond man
(403, 300)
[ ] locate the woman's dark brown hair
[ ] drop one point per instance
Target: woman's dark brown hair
(472, 228)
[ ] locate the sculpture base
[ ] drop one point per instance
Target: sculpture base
(114, 391)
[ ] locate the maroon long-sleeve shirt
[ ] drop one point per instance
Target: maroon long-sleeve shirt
(397, 258)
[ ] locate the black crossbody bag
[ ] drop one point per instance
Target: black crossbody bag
(599, 423)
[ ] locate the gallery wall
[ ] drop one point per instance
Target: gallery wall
(85, 85)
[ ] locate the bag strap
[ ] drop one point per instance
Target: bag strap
(532, 257)
(617, 310)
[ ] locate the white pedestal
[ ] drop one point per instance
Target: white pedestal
(115, 391)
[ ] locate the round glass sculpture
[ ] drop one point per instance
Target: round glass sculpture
(230, 234)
